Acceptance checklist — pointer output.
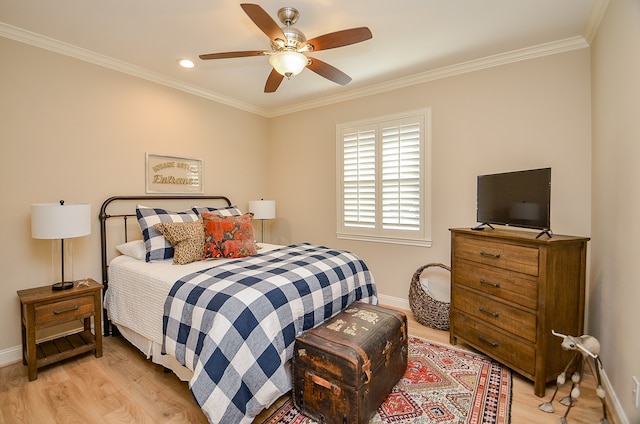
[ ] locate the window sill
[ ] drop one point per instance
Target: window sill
(388, 240)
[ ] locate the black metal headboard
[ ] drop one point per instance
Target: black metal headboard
(104, 216)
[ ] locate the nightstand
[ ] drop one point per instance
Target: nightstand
(43, 307)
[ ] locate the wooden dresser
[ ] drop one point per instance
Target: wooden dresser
(509, 290)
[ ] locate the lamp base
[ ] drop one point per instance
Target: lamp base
(64, 285)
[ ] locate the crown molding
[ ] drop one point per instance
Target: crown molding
(37, 40)
(47, 43)
(546, 49)
(598, 9)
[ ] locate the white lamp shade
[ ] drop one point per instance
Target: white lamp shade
(56, 221)
(263, 209)
(288, 63)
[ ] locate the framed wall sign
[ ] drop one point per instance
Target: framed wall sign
(173, 174)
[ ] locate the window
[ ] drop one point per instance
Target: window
(383, 179)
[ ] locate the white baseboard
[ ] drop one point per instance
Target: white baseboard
(10, 355)
(396, 302)
(612, 400)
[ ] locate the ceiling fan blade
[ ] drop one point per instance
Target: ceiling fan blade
(273, 81)
(340, 38)
(329, 72)
(263, 21)
(229, 55)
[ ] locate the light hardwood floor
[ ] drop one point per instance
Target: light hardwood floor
(524, 406)
(124, 387)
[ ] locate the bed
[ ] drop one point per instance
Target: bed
(225, 325)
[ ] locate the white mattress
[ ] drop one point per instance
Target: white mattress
(135, 300)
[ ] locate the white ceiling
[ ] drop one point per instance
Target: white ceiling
(412, 39)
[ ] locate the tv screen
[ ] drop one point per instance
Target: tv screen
(520, 199)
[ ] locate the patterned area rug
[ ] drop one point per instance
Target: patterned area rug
(441, 385)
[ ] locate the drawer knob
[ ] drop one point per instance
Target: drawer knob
(488, 283)
(66, 310)
(493, 314)
(492, 343)
(493, 255)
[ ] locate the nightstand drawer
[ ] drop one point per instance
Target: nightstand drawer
(64, 311)
(502, 255)
(514, 288)
(495, 313)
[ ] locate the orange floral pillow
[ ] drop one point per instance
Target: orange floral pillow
(228, 236)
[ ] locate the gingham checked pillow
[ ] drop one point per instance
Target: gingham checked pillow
(228, 211)
(157, 246)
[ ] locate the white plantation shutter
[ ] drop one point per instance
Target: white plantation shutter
(360, 179)
(401, 198)
(383, 191)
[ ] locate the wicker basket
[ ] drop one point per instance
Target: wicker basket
(427, 310)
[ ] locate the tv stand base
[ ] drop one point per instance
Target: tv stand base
(549, 233)
(481, 226)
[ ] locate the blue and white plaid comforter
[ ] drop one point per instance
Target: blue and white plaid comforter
(234, 325)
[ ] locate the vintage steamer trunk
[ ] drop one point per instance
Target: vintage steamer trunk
(345, 368)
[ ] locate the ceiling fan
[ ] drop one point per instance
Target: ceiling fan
(289, 47)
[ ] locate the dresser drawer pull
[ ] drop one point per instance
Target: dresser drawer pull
(482, 339)
(493, 314)
(493, 255)
(66, 310)
(496, 285)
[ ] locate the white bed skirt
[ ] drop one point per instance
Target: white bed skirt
(153, 351)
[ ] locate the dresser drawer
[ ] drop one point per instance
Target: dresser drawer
(516, 288)
(495, 313)
(506, 349)
(502, 255)
(64, 311)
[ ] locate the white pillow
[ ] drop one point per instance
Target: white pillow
(136, 249)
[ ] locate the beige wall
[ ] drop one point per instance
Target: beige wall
(615, 288)
(75, 131)
(518, 116)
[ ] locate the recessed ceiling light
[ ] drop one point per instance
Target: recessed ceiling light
(186, 63)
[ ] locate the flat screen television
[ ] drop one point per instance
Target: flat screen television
(519, 199)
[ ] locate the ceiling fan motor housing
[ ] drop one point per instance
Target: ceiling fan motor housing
(295, 39)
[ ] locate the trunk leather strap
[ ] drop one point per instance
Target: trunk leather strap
(366, 362)
(366, 365)
(323, 382)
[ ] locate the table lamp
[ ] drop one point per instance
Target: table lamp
(60, 221)
(262, 209)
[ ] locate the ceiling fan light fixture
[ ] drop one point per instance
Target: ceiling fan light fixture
(288, 63)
